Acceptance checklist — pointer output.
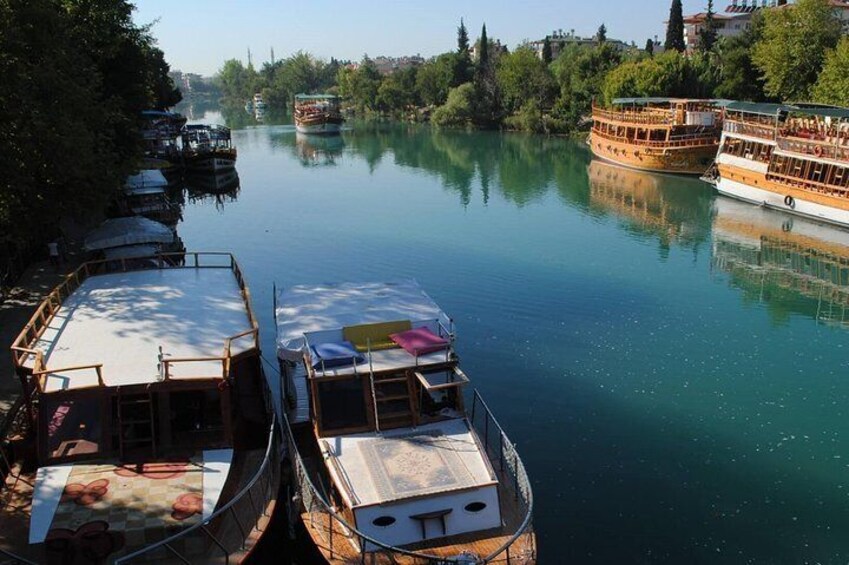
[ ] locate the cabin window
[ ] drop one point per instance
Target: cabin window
(196, 418)
(342, 404)
(383, 521)
(73, 425)
(475, 507)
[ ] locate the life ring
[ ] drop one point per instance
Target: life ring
(789, 201)
(818, 150)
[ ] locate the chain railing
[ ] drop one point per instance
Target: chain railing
(341, 539)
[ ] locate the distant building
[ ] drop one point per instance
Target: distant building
(495, 47)
(388, 65)
(560, 40)
(737, 18)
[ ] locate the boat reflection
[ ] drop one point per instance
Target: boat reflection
(664, 207)
(315, 150)
(219, 188)
(791, 264)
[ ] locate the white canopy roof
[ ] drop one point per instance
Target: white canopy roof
(130, 252)
(331, 307)
(134, 230)
(147, 180)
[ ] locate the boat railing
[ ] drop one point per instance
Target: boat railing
(647, 116)
(333, 529)
(751, 129)
(817, 148)
(229, 530)
(27, 357)
(677, 141)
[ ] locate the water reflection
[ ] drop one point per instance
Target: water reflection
(219, 188)
(790, 264)
(675, 210)
(318, 150)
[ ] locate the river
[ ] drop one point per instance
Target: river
(671, 364)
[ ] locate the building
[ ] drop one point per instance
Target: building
(737, 18)
(560, 40)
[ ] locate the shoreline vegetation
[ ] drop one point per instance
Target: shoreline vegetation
(77, 74)
(792, 53)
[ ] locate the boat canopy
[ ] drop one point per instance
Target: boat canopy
(308, 309)
(145, 180)
(316, 97)
(820, 110)
(211, 132)
(760, 108)
(647, 101)
(134, 230)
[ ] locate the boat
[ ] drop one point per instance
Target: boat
(145, 431)
(259, 104)
(662, 135)
(793, 264)
(318, 113)
(208, 148)
(132, 239)
(160, 131)
(390, 465)
(793, 158)
(145, 194)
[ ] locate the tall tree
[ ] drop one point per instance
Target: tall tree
(601, 35)
(462, 38)
(832, 87)
(463, 69)
(708, 33)
(739, 79)
(795, 41)
(546, 50)
(675, 27)
(483, 56)
(649, 46)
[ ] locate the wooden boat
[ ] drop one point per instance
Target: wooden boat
(145, 194)
(318, 113)
(208, 148)
(663, 135)
(389, 465)
(160, 132)
(145, 431)
(793, 158)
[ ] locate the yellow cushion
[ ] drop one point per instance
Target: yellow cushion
(375, 336)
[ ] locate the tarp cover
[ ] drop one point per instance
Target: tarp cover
(146, 180)
(130, 252)
(331, 307)
(134, 230)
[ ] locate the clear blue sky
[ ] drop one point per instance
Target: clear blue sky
(199, 35)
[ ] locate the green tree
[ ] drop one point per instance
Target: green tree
(483, 55)
(739, 79)
(523, 77)
(649, 49)
(668, 74)
(793, 48)
(708, 33)
(601, 35)
(832, 87)
(434, 79)
(463, 68)
(365, 83)
(397, 92)
(459, 109)
(462, 38)
(675, 28)
(580, 72)
(546, 50)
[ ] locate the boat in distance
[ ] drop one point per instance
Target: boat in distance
(389, 464)
(793, 158)
(208, 148)
(663, 135)
(145, 430)
(318, 114)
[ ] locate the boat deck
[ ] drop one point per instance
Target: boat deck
(121, 320)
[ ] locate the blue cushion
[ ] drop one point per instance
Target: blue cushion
(332, 355)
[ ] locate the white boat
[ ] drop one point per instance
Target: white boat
(144, 194)
(390, 464)
(793, 158)
(208, 148)
(132, 238)
(145, 432)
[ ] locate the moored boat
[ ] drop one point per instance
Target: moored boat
(389, 465)
(208, 148)
(145, 432)
(318, 113)
(145, 194)
(793, 158)
(664, 135)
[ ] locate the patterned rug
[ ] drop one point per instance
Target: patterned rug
(414, 464)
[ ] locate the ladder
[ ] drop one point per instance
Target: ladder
(136, 417)
(393, 401)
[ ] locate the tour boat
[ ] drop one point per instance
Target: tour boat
(208, 148)
(389, 465)
(132, 239)
(318, 113)
(159, 132)
(796, 264)
(144, 432)
(793, 158)
(144, 194)
(663, 135)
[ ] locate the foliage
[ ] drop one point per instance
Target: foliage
(398, 92)
(791, 53)
(739, 79)
(459, 109)
(523, 77)
(601, 35)
(675, 28)
(546, 50)
(708, 33)
(668, 74)
(580, 72)
(435, 78)
(463, 68)
(649, 49)
(832, 87)
(361, 86)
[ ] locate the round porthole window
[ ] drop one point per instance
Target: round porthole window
(475, 507)
(383, 521)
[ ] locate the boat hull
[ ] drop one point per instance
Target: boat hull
(211, 163)
(682, 161)
(325, 128)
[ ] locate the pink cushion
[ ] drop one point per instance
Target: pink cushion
(419, 341)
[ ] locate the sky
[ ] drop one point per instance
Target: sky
(199, 35)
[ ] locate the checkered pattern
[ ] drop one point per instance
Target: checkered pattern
(137, 505)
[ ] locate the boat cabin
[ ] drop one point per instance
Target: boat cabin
(658, 120)
(144, 194)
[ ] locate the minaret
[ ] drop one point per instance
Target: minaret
(250, 62)
(272, 56)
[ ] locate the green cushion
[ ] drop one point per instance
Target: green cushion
(375, 336)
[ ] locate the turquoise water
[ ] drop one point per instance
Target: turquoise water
(672, 370)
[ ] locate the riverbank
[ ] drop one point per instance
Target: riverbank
(17, 308)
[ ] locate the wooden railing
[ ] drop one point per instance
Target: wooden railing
(642, 117)
(820, 149)
(750, 129)
(678, 141)
(24, 348)
(225, 359)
